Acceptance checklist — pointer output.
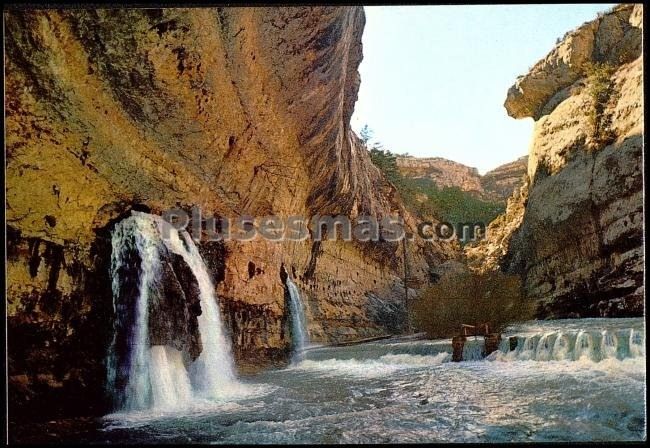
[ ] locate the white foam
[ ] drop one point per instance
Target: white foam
(372, 368)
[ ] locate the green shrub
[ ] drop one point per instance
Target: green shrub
(473, 299)
(599, 88)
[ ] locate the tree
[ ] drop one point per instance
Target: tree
(494, 298)
(365, 134)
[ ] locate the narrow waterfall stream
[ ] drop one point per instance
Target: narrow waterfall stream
(154, 376)
(213, 373)
(300, 337)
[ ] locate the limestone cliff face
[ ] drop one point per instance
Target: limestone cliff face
(497, 184)
(445, 173)
(241, 111)
(503, 181)
(576, 235)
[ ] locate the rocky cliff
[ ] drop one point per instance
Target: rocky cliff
(445, 173)
(241, 111)
(575, 232)
(501, 182)
(497, 184)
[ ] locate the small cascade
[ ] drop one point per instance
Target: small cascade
(526, 348)
(544, 347)
(584, 347)
(609, 344)
(141, 375)
(561, 347)
(574, 345)
(636, 344)
(473, 350)
(299, 334)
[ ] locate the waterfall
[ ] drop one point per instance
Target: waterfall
(584, 346)
(561, 347)
(213, 373)
(299, 333)
(473, 349)
(141, 376)
(575, 345)
(636, 344)
(609, 344)
(544, 348)
(134, 235)
(170, 385)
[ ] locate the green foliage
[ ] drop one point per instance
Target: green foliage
(451, 204)
(473, 299)
(366, 134)
(386, 162)
(423, 197)
(599, 89)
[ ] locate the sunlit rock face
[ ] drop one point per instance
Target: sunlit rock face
(575, 234)
(496, 185)
(615, 38)
(501, 182)
(445, 173)
(241, 111)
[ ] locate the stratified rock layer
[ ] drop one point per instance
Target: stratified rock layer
(241, 111)
(503, 181)
(497, 184)
(445, 173)
(576, 233)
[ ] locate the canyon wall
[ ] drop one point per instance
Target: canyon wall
(574, 232)
(241, 111)
(445, 173)
(501, 182)
(497, 184)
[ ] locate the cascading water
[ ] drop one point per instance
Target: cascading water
(142, 376)
(561, 347)
(170, 385)
(544, 348)
(133, 235)
(609, 344)
(636, 344)
(584, 347)
(213, 373)
(473, 349)
(576, 345)
(298, 325)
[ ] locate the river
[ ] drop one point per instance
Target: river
(409, 391)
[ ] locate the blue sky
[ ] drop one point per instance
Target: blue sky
(434, 78)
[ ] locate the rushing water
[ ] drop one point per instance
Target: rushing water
(133, 235)
(569, 380)
(299, 334)
(213, 373)
(156, 376)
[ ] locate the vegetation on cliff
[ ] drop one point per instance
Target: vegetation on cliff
(599, 89)
(426, 199)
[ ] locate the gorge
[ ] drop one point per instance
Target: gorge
(114, 116)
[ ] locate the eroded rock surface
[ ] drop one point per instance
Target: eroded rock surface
(576, 234)
(501, 182)
(238, 111)
(497, 184)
